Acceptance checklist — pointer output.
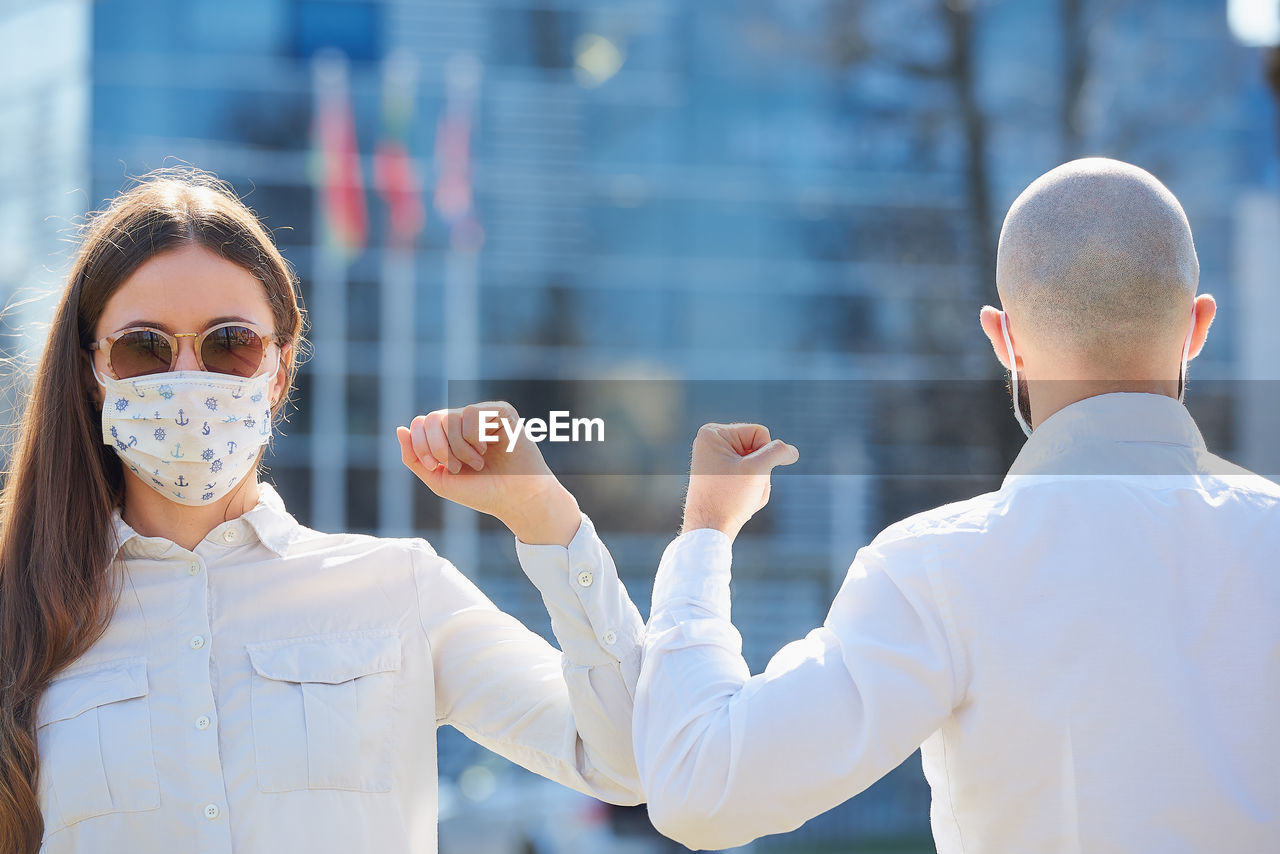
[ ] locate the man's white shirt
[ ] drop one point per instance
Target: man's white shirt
(1088, 658)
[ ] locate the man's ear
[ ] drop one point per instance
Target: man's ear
(1206, 308)
(989, 317)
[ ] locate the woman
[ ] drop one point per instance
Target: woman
(184, 666)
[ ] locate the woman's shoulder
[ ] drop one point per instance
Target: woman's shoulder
(313, 543)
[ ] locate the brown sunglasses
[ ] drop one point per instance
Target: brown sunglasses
(234, 348)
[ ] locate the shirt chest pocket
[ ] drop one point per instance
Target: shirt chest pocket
(323, 711)
(93, 736)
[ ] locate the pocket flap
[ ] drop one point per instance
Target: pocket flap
(108, 682)
(326, 658)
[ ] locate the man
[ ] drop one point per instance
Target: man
(1089, 657)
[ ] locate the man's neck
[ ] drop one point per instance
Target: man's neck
(1049, 396)
(152, 515)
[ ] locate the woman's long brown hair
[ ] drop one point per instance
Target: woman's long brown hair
(59, 581)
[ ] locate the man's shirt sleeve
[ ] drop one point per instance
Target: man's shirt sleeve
(726, 757)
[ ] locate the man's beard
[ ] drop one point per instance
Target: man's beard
(1023, 399)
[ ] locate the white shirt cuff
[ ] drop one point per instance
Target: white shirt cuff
(591, 614)
(695, 569)
(547, 564)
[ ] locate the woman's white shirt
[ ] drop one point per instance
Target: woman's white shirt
(279, 689)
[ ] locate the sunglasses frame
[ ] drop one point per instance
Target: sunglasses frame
(108, 341)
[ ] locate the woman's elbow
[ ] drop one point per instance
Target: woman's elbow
(622, 795)
(613, 785)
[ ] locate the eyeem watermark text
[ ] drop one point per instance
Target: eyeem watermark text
(559, 427)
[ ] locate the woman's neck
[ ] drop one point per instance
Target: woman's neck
(152, 515)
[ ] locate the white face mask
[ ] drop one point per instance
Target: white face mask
(1013, 368)
(190, 435)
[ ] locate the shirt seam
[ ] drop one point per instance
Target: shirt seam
(353, 633)
(950, 632)
(951, 794)
(422, 624)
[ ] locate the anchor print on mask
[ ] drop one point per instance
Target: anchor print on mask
(154, 424)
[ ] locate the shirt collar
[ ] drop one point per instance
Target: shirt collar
(1083, 437)
(268, 521)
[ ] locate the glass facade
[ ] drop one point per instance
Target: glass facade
(781, 190)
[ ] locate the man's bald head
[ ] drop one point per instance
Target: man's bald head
(1096, 263)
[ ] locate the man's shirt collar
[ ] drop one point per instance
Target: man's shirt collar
(1108, 434)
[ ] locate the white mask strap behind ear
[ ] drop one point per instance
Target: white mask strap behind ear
(93, 366)
(1186, 356)
(1013, 370)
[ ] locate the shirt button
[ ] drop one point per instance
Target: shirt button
(610, 638)
(202, 722)
(230, 535)
(585, 579)
(197, 642)
(194, 567)
(211, 811)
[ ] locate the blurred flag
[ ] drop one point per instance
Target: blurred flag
(453, 198)
(394, 172)
(335, 161)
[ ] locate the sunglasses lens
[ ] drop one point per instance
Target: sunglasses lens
(140, 352)
(233, 350)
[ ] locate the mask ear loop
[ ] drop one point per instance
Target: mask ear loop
(93, 367)
(1013, 370)
(272, 373)
(1186, 356)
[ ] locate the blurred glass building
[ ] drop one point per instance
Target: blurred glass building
(776, 192)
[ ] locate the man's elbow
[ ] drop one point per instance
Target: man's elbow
(692, 824)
